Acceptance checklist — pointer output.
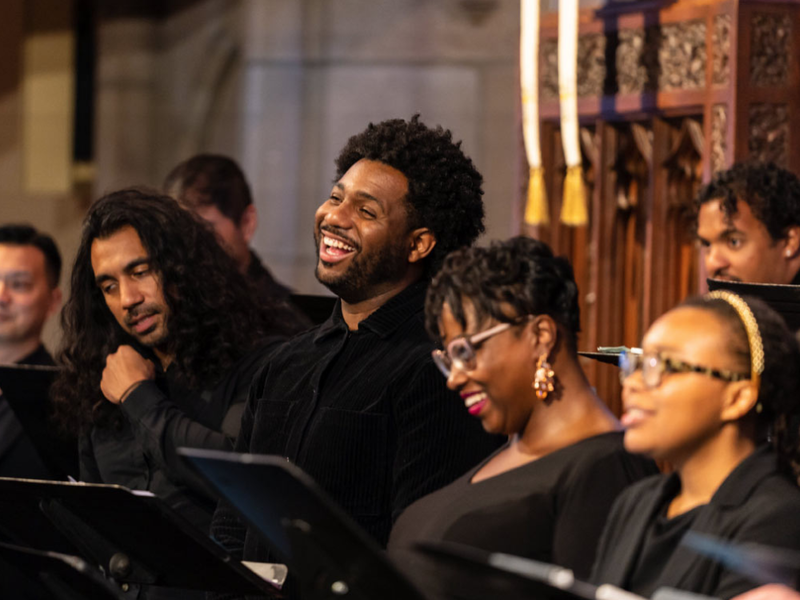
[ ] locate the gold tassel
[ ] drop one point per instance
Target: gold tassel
(536, 212)
(573, 208)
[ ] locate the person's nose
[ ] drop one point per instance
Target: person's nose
(716, 259)
(130, 294)
(457, 378)
(339, 215)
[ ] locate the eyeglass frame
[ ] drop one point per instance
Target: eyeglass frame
(444, 360)
(670, 365)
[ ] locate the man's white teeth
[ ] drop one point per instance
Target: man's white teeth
(337, 244)
(474, 399)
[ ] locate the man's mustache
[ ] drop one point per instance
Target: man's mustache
(139, 312)
(338, 232)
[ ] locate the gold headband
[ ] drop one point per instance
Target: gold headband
(751, 327)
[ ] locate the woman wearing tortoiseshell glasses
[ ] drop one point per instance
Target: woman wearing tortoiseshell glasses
(716, 393)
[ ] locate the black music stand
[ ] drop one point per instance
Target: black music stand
(329, 554)
(783, 299)
(472, 574)
(760, 563)
(51, 576)
(26, 388)
(134, 535)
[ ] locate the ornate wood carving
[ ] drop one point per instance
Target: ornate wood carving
(632, 165)
(769, 133)
(634, 56)
(548, 69)
(683, 164)
(682, 56)
(721, 48)
(591, 64)
(719, 141)
(770, 47)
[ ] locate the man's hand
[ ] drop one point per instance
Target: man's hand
(124, 368)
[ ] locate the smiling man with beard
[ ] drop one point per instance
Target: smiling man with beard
(162, 338)
(357, 402)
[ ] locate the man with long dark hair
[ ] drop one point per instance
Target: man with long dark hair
(161, 340)
(357, 401)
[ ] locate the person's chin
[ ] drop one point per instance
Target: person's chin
(636, 443)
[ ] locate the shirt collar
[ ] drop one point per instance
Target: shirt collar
(739, 484)
(384, 321)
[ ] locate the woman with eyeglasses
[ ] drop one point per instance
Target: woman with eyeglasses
(507, 317)
(716, 393)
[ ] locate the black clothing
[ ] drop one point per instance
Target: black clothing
(267, 285)
(18, 455)
(756, 503)
(365, 413)
(40, 357)
(661, 540)
(161, 416)
(551, 509)
(277, 296)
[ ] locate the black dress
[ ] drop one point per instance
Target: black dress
(551, 509)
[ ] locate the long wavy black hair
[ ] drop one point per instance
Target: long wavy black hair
(213, 316)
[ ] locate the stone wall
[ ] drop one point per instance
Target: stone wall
(278, 84)
(281, 84)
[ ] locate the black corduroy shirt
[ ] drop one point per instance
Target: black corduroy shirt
(366, 413)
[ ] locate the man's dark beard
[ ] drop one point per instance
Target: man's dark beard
(365, 272)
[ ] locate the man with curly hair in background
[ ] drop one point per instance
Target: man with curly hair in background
(162, 337)
(357, 402)
(748, 223)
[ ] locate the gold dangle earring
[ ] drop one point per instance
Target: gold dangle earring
(544, 378)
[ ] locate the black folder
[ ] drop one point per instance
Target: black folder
(26, 388)
(783, 299)
(134, 535)
(327, 552)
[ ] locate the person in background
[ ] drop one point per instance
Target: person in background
(162, 337)
(714, 394)
(215, 189)
(30, 269)
(748, 224)
(507, 317)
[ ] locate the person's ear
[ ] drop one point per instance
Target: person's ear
(791, 242)
(739, 399)
(543, 335)
(55, 302)
(422, 243)
(248, 222)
